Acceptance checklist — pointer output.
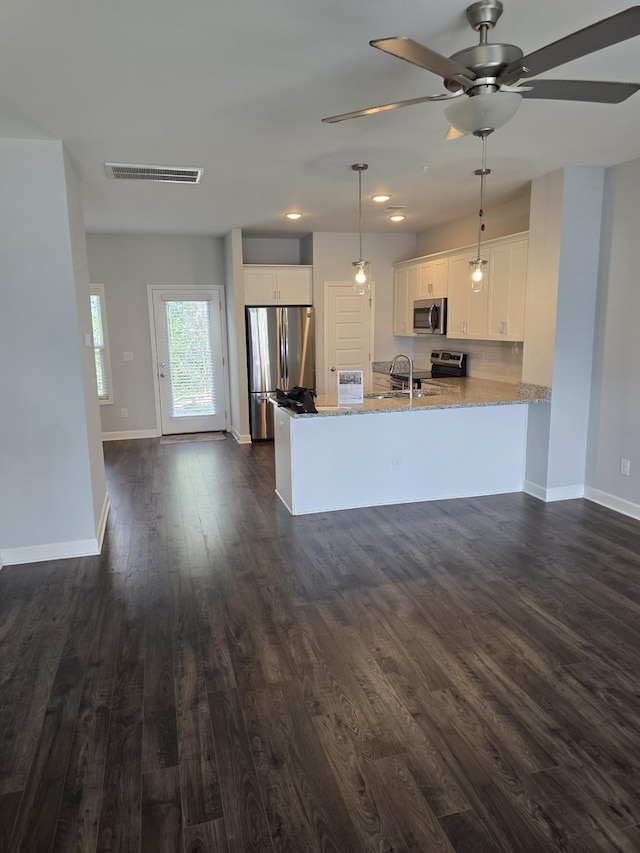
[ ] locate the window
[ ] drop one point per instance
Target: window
(100, 344)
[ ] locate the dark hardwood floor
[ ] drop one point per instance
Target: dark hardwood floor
(450, 676)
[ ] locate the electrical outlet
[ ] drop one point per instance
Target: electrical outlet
(396, 463)
(625, 467)
(124, 413)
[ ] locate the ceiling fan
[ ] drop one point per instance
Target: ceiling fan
(489, 73)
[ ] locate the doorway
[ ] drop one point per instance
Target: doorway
(187, 336)
(348, 331)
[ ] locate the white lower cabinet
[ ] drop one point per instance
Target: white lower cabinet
(405, 292)
(381, 382)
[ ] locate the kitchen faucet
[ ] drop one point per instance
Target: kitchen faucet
(408, 358)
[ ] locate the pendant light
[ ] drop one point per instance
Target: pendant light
(477, 265)
(361, 282)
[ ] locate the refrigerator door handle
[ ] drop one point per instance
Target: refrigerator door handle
(281, 371)
(285, 345)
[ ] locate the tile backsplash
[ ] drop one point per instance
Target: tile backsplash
(497, 360)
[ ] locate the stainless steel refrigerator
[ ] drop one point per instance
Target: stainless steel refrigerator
(281, 353)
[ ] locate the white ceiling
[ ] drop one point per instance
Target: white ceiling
(239, 88)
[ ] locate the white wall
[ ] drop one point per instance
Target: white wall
(83, 308)
(236, 334)
(333, 255)
(125, 264)
(52, 478)
(562, 287)
(615, 406)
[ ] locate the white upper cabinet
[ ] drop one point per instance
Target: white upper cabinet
(273, 285)
(466, 307)
(405, 292)
(507, 284)
(433, 279)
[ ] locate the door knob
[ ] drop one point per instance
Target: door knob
(163, 375)
(333, 370)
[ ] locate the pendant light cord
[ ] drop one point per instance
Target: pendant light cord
(483, 173)
(360, 210)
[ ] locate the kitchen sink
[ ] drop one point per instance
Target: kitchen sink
(389, 395)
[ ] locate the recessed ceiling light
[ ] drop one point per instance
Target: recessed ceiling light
(381, 197)
(398, 217)
(293, 215)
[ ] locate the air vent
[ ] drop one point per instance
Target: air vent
(164, 174)
(395, 208)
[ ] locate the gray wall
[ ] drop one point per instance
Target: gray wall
(615, 402)
(53, 486)
(500, 219)
(125, 265)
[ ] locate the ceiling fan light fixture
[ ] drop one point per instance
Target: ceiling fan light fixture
(483, 113)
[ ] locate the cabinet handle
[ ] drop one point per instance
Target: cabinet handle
(274, 296)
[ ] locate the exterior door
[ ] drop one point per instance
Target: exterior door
(190, 363)
(348, 326)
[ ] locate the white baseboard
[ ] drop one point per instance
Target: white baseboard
(102, 523)
(53, 551)
(241, 439)
(534, 490)
(132, 433)
(612, 502)
(558, 493)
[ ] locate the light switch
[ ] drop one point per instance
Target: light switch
(88, 339)
(128, 356)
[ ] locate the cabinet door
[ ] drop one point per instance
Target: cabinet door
(381, 382)
(466, 308)
(433, 279)
(507, 278)
(294, 286)
(260, 286)
(404, 294)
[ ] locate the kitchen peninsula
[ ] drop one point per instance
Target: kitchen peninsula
(463, 437)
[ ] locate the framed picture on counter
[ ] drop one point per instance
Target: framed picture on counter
(350, 387)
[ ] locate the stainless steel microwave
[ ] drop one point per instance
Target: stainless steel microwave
(430, 317)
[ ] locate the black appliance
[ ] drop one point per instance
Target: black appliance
(430, 316)
(448, 365)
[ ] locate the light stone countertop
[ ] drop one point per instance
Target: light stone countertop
(449, 393)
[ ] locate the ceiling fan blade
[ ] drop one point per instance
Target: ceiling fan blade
(602, 34)
(384, 107)
(453, 133)
(418, 54)
(596, 91)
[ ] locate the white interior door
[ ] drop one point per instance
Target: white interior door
(190, 363)
(348, 329)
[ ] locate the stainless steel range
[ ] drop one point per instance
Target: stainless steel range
(448, 365)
